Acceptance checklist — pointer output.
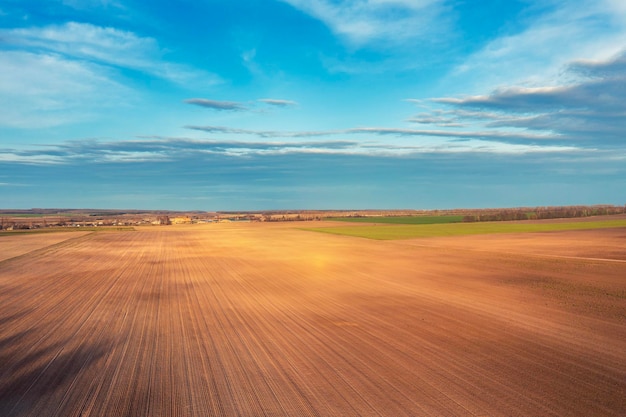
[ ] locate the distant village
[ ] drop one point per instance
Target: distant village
(22, 221)
(38, 218)
(48, 218)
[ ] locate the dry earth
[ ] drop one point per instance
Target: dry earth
(20, 244)
(598, 244)
(267, 320)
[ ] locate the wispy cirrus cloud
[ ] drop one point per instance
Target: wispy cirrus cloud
(255, 175)
(278, 102)
(436, 119)
(63, 74)
(511, 137)
(164, 149)
(105, 46)
(362, 22)
(238, 106)
(89, 4)
(216, 105)
(159, 149)
(506, 137)
(548, 41)
(39, 90)
(263, 133)
(587, 111)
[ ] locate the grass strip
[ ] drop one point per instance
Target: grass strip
(400, 219)
(394, 232)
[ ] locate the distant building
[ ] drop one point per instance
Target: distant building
(181, 220)
(163, 220)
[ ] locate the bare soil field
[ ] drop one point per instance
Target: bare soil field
(254, 319)
(23, 243)
(601, 244)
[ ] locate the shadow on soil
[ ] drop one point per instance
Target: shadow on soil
(30, 376)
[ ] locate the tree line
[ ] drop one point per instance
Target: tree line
(538, 213)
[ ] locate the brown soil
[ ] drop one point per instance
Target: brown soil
(592, 244)
(22, 243)
(257, 319)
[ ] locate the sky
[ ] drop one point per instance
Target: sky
(312, 104)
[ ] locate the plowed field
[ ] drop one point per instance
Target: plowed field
(267, 320)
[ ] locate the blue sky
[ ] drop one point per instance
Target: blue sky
(319, 104)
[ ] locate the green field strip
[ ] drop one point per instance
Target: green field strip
(400, 219)
(394, 232)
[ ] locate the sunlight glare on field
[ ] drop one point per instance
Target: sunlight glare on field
(319, 260)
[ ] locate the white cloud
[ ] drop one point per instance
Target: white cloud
(105, 46)
(44, 90)
(537, 55)
(165, 150)
(83, 40)
(62, 74)
(616, 8)
(590, 110)
(484, 135)
(40, 159)
(363, 21)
